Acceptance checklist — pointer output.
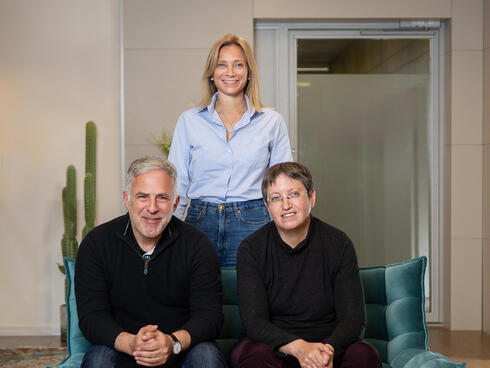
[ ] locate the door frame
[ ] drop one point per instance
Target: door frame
(285, 100)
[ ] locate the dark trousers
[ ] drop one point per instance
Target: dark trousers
(203, 355)
(250, 354)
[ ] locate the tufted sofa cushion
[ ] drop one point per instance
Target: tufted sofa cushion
(232, 326)
(394, 297)
(395, 306)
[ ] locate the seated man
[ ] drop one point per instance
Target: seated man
(148, 286)
(299, 290)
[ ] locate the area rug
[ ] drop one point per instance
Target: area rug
(31, 357)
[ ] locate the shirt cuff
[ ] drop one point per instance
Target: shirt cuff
(179, 213)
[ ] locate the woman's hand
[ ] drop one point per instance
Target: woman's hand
(310, 354)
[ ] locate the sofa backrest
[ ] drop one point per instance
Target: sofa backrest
(232, 326)
(395, 306)
(394, 297)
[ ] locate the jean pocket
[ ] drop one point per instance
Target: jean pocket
(254, 216)
(194, 214)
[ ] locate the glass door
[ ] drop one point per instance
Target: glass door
(363, 116)
(363, 130)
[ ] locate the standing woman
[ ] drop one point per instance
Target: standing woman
(222, 149)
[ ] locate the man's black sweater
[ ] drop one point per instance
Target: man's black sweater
(312, 291)
(180, 290)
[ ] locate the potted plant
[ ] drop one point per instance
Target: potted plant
(163, 142)
(69, 243)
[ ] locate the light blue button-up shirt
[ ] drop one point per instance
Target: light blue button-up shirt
(212, 169)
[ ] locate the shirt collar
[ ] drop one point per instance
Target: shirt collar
(249, 114)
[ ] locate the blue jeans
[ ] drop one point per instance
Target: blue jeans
(203, 355)
(227, 224)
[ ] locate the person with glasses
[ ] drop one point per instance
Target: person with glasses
(222, 148)
(299, 290)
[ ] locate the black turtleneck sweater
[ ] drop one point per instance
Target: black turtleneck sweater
(312, 291)
(180, 290)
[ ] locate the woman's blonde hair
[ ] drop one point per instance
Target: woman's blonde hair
(252, 89)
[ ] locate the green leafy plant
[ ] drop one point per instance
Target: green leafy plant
(69, 243)
(163, 142)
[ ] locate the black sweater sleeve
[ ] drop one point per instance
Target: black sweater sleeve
(349, 302)
(91, 290)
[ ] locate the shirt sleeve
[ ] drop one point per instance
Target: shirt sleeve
(179, 155)
(349, 303)
(254, 304)
(281, 149)
(92, 296)
(205, 294)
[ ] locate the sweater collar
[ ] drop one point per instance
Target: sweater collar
(301, 245)
(170, 233)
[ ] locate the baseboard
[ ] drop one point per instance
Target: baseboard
(436, 325)
(30, 331)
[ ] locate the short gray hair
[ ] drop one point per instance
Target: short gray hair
(148, 163)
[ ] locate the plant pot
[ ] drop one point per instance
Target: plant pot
(63, 323)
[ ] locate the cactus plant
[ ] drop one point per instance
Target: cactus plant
(69, 243)
(70, 202)
(90, 153)
(89, 201)
(89, 181)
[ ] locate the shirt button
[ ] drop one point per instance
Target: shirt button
(229, 150)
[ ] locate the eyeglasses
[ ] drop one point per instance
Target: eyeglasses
(276, 198)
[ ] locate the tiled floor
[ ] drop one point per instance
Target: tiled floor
(472, 347)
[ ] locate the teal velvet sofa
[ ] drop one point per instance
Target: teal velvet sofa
(396, 325)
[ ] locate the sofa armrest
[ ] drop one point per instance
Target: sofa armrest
(417, 358)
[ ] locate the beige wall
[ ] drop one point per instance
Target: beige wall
(466, 53)
(486, 166)
(59, 67)
(352, 9)
(165, 46)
